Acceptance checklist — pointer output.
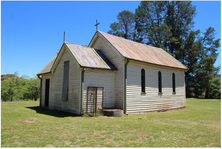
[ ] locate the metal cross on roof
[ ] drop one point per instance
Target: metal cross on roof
(97, 25)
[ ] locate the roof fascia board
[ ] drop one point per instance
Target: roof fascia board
(95, 36)
(39, 74)
(100, 68)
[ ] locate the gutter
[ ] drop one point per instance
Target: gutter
(125, 84)
(81, 91)
(40, 90)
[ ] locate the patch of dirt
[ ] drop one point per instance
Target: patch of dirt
(49, 145)
(187, 122)
(31, 120)
(111, 141)
(18, 143)
(67, 142)
(15, 137)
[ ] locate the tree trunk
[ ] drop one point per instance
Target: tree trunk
(207, 93)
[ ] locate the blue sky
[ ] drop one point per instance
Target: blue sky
(32, 32)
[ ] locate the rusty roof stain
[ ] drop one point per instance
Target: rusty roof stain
(142, 52)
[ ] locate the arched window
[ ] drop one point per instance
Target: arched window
(160, 82)
(173, 83)
(143, 85)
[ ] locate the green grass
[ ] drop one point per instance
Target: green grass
(199, 125)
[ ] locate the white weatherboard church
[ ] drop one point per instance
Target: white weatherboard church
(112, 72)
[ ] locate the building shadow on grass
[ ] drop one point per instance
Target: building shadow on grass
(55, 113)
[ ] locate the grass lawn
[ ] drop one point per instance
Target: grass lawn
(23, 124)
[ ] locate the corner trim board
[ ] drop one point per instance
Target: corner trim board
(125, 85)
(82, 91)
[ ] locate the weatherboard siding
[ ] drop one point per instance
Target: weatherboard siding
(72, 105)
(100, 78)
(152, 101)
(118, 61)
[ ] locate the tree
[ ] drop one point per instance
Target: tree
(10, 86)
(165, 24)
(192, 55)
(125, 26)
(215, 88)
(168, 25)
(34, 88)
(205, 69)
(150, 23)
(19, 88)
(200, 56)
(179, 19)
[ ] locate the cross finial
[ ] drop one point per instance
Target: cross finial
(97, 25)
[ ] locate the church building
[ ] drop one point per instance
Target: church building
(112, 73)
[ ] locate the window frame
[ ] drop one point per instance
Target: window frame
(174, 83)
(65, 89)
(143, 81)
(160, 91)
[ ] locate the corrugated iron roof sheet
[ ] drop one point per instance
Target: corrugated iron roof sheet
(89, 57)
(85, 56)
(47, 68)
(141, 52)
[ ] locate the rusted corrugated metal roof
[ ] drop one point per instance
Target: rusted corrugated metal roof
(141, 52)
(85, 56)
(89, 57)
(47, 68)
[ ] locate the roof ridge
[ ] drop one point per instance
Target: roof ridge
(77, 44)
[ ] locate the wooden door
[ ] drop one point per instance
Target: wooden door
(91, 99)
(94, 99)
